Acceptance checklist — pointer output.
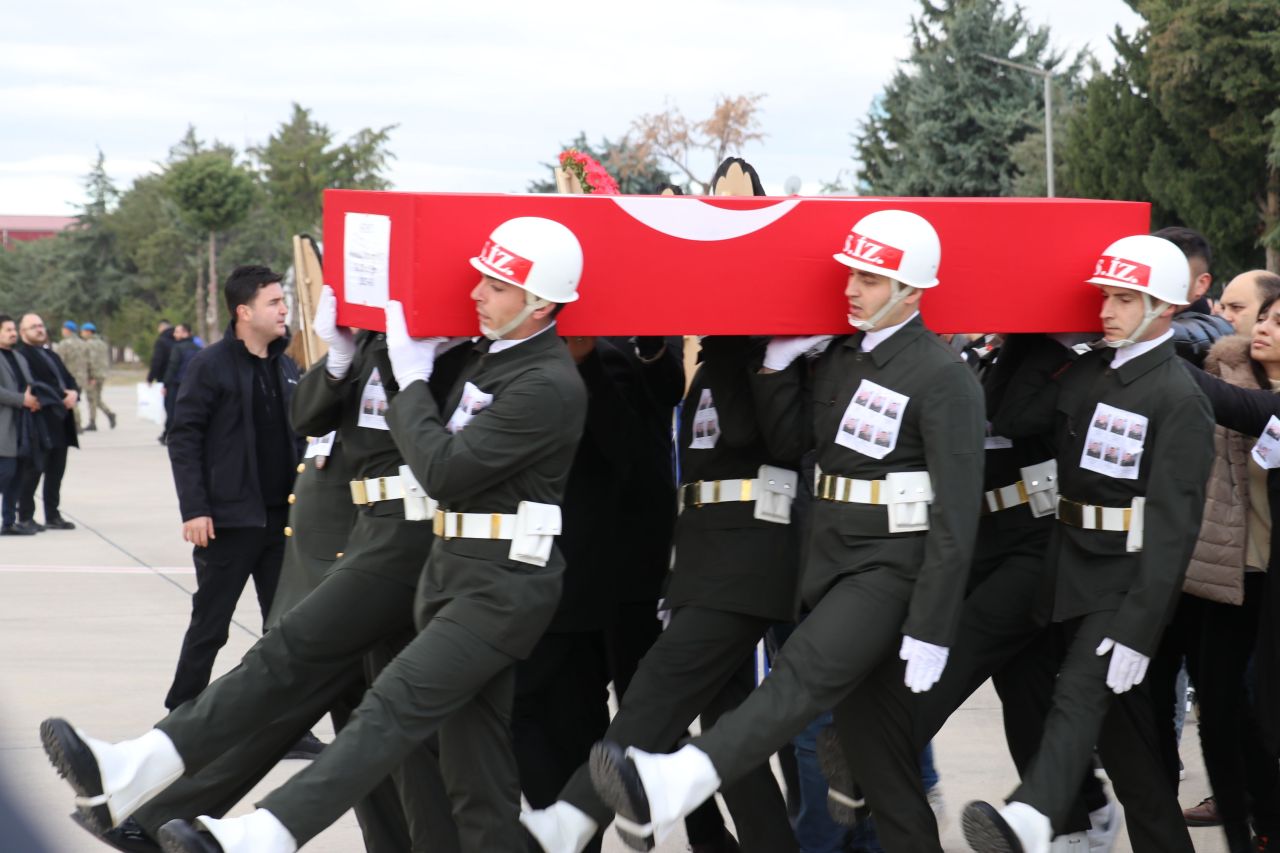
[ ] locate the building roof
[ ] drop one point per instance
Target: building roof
(35, 223)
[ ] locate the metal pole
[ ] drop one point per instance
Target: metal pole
(1048, 130)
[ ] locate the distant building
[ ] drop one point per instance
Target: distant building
(15, 228)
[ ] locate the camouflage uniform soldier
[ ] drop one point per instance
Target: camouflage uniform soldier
(74, 355)
(98, 359)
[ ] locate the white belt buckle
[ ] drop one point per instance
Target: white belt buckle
(418, 505)
(910, 493)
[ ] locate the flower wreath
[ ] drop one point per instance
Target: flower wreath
(589, 172)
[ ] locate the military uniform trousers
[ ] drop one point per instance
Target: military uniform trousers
(852, 627)
(94, 389)
(1002, 636)
(303, 665)
(1086, 712)
(694, 669)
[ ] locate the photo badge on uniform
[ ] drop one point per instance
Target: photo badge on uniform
(871, 423)
(472, 403)
(706, 423)
(373, 404)
(321, 445)
(1113, 446)
(1267, 451)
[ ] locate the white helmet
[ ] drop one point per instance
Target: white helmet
(540, 256)
(1154, 267)
(895, 243)
(898, 244)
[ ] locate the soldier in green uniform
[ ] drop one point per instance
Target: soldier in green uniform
(1003, 634)
(498, 465)
(74, 355)
(97, 356)
(736, 556)
(1134, 442)
(897, 423)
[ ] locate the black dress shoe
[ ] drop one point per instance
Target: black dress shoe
(58, 524)
(727, 844)
(32, 525)
(16, 530)
(618, 783)
(306, 749)
(128, 837)
(74, 761)
(987, 831)
(111, 419)
(90, 428)
(178, 836)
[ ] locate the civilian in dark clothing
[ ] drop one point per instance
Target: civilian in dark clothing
(178, 355)
(54, 432)
(233, 454)
(17, 404)
(1195, 327)
(159, 364)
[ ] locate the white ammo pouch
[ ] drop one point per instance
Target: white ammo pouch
(1137, 513)
(1040, 481)
(910, 493)
(418, 505)
(531, 530)
(776, 491)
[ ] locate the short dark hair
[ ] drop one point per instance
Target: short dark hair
(1268, 284)
(1192, 243)
(244, 283)
(5, 318)
(165, 322)
(185, 327)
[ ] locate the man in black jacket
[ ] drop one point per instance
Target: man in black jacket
(233, 453)
(159, 364)
(180, 351)
(57, 391)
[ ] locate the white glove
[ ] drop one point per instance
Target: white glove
(411, 358)
(342, 344)
(664, 614)
(780, 352)
(925, 663)
(1127, 668)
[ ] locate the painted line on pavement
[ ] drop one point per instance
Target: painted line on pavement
(96, 570)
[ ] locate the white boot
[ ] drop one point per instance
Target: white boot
(257, 832)
(560, 828)
(674, 784)
(1104, 828)
(1075, 842)
(132, 772)
(1032, 828)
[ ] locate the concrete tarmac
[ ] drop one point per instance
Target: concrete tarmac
(91, 621)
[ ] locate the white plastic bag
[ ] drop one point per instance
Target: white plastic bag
(151, 402)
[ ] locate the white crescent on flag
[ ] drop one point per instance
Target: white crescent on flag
(696, 220)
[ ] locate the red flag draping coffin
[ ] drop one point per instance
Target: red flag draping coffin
(688, 265)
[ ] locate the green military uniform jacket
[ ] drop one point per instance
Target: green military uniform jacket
(75, 355)
(98, 357)
(941, 432)
(726, 559)
(1094, 571)
(518, 447)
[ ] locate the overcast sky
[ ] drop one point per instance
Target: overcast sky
(482, 91)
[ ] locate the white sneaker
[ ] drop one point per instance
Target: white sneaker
(560, 827)
(1016, 828)
(257, 832)
(1105, 824)
(1075, 842)
(111, 780)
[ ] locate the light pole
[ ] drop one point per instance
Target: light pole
(1047, 76)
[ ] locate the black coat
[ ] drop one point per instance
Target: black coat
(48, 373)
(212, 447)
(160, 356)
(1248, 410)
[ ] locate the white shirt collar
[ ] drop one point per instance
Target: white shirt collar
(1132, 351)
(506, 343)
(875, 337)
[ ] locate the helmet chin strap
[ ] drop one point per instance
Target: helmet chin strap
(1154, 308)
(531, 303)
(899, 292)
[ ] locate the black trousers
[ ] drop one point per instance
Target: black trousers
(222, 570)
(1086, 712)
(1003, 636)
(701, 665)
(1180, 643)
(52, 464)
(170, 400)
(1245, 780)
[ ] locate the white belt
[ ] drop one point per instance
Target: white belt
(832, 487)
(1006, 497)
(718, 491)
(1116, 519)
(377, 489)
(474, 525)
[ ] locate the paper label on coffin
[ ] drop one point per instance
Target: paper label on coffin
(738, 265)
(373, 404)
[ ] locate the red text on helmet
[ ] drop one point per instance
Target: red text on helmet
(1122, 271)
(505, 262)
(871, 252)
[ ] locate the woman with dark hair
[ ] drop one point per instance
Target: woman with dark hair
(1223, 598)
